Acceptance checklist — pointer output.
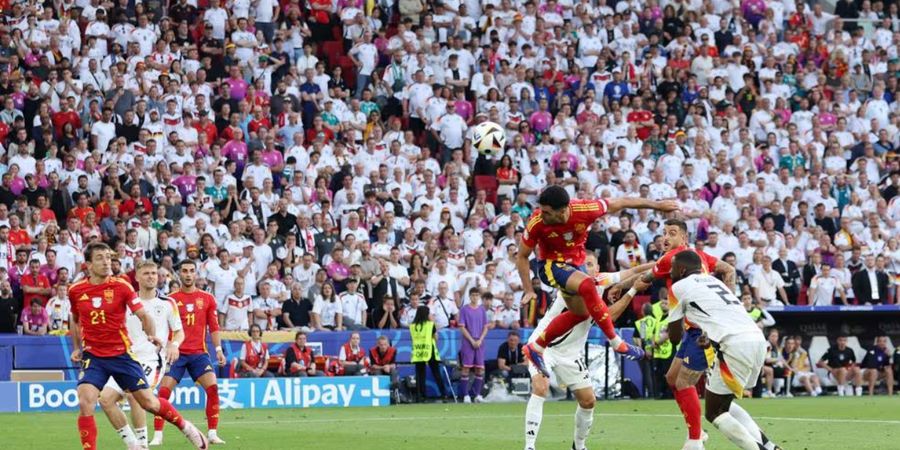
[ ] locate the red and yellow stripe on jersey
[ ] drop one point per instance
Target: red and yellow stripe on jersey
(731, 382)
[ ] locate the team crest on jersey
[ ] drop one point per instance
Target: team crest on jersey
(199, 304)
(568, 236)
(96, 302)
(580, 227)
(190, 308)
(108, 295)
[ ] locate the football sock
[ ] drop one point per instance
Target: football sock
(597, 308)
(170, 414)
(743, 417)
(736, 433)
(87, 428)
(463, 386)
(478, 385)
(584, 418)
(127, 435)
(212, 407)
(534, 412)
(158, 422)
(689, 402)
(558, 327)
(141, 434)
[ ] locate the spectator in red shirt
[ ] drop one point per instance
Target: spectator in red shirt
(383, 359)
(64, 116)
(82, 208)
(35, 286)
(18, 236)
(299, 360)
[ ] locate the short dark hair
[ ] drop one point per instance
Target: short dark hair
(94, 247)
(689, 260)
(187, 262)
(554, 196)
(677, 223)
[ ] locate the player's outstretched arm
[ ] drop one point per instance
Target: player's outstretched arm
(728, 274)
(524, 269)
(618, 204)
(76, 338)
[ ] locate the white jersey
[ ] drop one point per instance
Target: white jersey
(164, 314)
(572, 343)
(707, 303)
(237, 315)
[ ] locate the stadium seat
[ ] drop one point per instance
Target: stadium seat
(853, 343)
(801, 298)
(817, 348)
(332, 51)
(337, 32)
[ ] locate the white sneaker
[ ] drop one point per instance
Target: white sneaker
(841, 391)
(788, 395)
(195, 436)
(479, 399)
(157, 440)
(467, 399)
(693, 445)
(214, 439)
(704, 436)
(768, 394)
(859, 391)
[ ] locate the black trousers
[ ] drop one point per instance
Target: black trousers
(660, 367)
(435, 372)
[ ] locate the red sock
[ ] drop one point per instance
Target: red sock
(87, 428)
(689, 402)
(170, 414)
(212, 407)
(597, 307)
(558, 327)
(158, 422)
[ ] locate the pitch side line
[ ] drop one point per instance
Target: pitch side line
(510, 416)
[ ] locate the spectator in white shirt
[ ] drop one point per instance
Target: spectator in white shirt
(823, 287)
(767, 283)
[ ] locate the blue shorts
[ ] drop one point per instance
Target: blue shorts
(195, 365)
(556, 273)
(694, 357)
(127, 372)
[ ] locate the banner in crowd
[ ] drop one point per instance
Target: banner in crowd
(340, 392)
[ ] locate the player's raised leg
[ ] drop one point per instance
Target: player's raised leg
(162, 408)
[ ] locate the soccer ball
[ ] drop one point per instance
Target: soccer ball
(489, 138)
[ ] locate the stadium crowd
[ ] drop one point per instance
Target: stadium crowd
(315, 157)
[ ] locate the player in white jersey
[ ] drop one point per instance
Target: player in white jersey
(705, 301)
(153, 359)
(564, 358)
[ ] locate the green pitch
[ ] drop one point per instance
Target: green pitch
(800, 423)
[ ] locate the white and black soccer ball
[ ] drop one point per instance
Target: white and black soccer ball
(489, 139)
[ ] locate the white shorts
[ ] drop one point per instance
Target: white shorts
(153, 370)
(570, 371)
(798, 376)
(736, 367)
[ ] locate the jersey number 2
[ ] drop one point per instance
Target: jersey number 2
(724, 294)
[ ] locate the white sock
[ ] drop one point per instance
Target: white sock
(534, 412)
(584, 418)
(615, 342)
(127, 435)
(743, 417)
(858, 390)
(735, 432)
(141, 434)
(818, 389)
(840, 390)
(212, 433)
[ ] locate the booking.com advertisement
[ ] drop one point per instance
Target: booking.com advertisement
(341, 392)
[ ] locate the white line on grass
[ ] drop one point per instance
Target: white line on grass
(511, 416)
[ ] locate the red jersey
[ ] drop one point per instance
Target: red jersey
(99, 310)
(663, 268)
(198, 312)
(564, 242)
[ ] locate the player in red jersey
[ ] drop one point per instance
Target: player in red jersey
(693, 356)
(559, 231)
(198, 313)
(101, 345)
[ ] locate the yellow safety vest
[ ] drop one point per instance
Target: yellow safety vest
(664, 351)
(657, 310)
(646, 326)
(423, 344)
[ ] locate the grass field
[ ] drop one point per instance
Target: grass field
(800, 423)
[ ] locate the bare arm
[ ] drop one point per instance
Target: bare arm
(728, 274)
(618, 204)
(148, 326)
(676, 329)
(524, 268)
(76, 340)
